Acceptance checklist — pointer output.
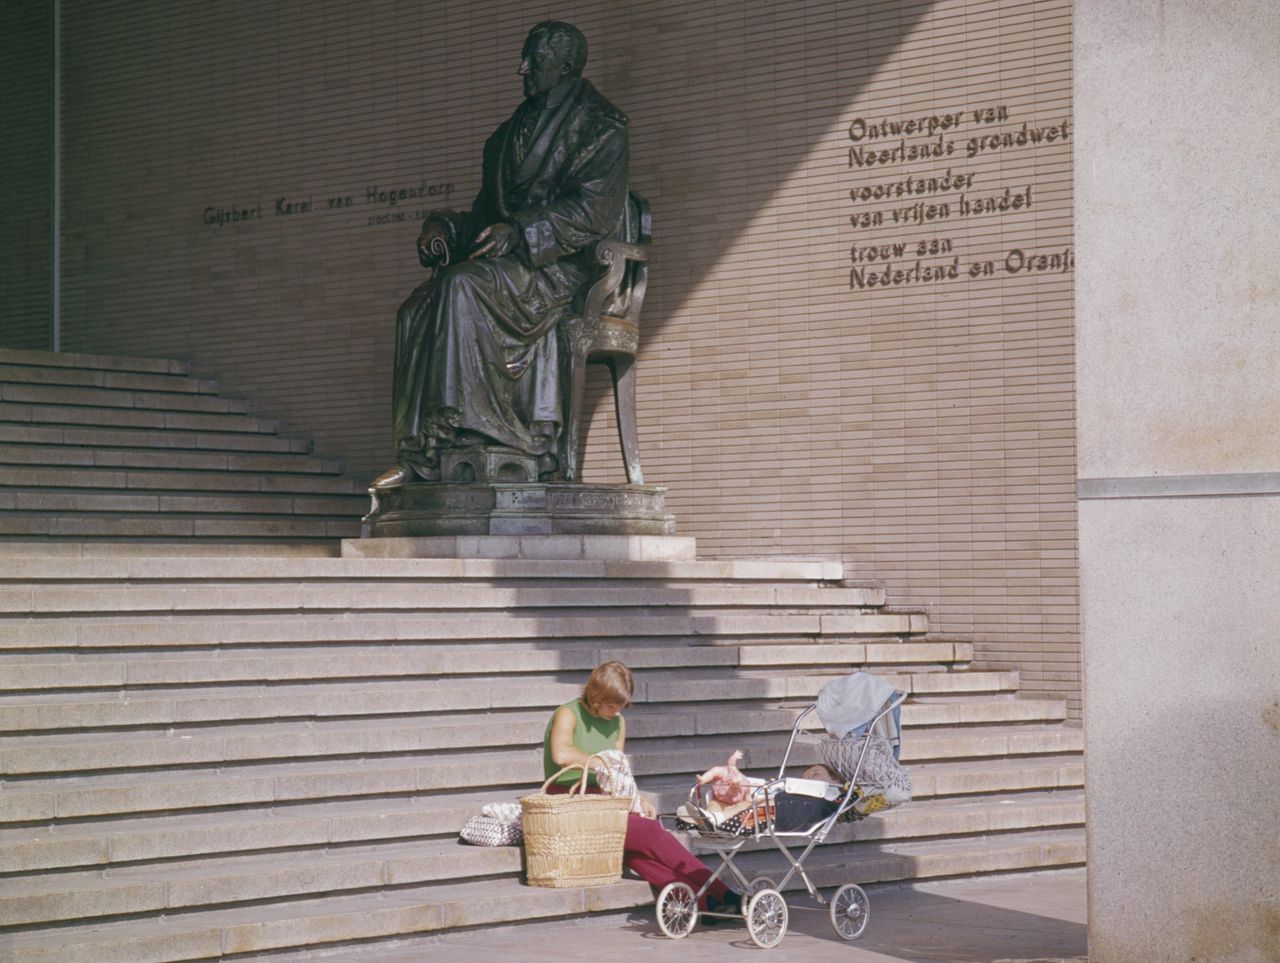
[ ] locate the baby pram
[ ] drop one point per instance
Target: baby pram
(764, 909)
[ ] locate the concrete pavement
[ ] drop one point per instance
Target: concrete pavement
(1025, 918)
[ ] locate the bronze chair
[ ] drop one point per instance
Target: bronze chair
(607, 330)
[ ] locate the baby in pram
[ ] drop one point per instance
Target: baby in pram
(823, 774)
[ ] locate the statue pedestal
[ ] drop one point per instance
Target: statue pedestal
(521, 520)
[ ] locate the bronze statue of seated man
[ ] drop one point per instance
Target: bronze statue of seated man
(477, 358)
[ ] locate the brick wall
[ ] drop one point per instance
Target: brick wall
(26, 173)
(922, 428)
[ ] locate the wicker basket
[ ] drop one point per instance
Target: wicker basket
(573, 839)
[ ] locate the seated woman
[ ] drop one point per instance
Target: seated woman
(593, 723)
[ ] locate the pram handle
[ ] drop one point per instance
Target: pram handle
(889, 705)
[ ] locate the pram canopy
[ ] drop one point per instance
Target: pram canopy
(848, 706)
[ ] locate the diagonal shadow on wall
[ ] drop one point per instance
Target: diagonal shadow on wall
(726, 101)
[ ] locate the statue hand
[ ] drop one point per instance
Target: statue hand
(495, 241)
(432, 243)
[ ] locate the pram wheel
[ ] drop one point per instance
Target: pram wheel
(767, 918)
(759, 883)
(850, 911)
(677, 910)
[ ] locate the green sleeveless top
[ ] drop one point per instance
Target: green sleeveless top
(590, 734)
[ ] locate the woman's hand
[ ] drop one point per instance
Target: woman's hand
(646, 808)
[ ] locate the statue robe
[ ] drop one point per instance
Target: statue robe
(476, 347)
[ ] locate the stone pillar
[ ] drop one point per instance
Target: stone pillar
(1177, 209)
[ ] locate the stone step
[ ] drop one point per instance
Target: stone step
(487, 571)
(330, 663)
(434, 907)
(193, 466)
(186, 884)
(91, 526)
(75, 633)
(126, 418)
(109, 397)
(636, 928)
(155, 439)
(100, 362)
(19, 549)
(85, 482)
(975, 777)
(118, 793)
(31, 374)
(354, 595)
(150, 804)
(129, 839)
(46, 712)
(168, 460)
(29, 755)
(164, 503)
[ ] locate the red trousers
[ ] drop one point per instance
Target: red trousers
(658, 857)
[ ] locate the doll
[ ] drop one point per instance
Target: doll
(730, 789)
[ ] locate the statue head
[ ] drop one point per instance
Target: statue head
(553, 51)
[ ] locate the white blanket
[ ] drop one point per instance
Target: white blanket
(613, 773)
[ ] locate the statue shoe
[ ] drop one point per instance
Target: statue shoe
(394, 477)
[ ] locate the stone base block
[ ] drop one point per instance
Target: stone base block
(607, 548)
(438, 509)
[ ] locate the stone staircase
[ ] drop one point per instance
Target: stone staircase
(111, 450)
(219, 741)
(207, 757)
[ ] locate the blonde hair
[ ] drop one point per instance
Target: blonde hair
(609, 682)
